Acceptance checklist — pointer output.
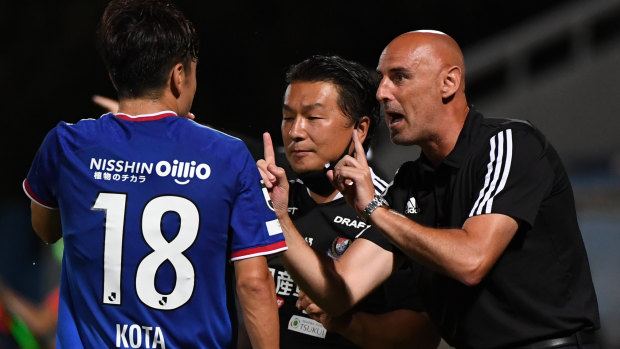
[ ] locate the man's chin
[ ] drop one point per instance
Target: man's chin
(400, 139)
(304, 168)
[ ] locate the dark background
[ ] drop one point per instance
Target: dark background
(50, 67)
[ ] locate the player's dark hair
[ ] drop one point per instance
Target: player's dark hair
(356, 86)
(140, 41)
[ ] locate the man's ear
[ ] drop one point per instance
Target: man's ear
(451, 82)
(363, 125)
(177, 75)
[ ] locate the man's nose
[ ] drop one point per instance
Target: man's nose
(383, 91)
(297, 129)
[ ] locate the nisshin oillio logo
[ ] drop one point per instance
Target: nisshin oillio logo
(122, 170)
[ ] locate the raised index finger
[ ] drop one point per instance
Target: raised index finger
(360, 154)
(269, 155)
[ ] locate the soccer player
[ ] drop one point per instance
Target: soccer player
(154, 209)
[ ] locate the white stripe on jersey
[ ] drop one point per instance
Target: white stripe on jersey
(380, 184)
(500, 159)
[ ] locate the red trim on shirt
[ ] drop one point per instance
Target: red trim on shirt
(145, 117)
(33, 196)
(262, 250)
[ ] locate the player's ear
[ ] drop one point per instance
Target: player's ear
(177, 75)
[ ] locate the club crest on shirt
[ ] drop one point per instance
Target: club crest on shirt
(339, 246)
(412, 206)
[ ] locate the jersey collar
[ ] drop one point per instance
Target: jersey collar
(462, 146)
(146, 117)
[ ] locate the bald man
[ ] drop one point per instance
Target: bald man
(485, 216)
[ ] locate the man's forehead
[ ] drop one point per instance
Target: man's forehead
(310, 95)
(314, 89)
(399, 58)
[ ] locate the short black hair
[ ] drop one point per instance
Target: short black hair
(140, 41)
(356, 86)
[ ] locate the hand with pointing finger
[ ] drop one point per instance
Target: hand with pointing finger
(351, 176)
(274, 178)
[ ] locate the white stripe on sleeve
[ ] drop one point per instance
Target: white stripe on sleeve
(500, 157)
(506, 170)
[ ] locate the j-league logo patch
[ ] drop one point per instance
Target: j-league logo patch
(412, 206)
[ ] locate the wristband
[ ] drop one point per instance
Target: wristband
(376, 202)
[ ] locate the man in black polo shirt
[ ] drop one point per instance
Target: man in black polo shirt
(486, 215)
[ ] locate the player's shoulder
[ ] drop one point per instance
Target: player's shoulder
(83, 130)
(208, 134)
(215, 132)
(85, 123)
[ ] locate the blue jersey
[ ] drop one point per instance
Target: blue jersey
(153, 208)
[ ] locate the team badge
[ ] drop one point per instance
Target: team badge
(339, 245)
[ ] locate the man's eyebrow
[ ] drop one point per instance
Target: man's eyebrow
(305, 108)
(394, 70)
(399, 70)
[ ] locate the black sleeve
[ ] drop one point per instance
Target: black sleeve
(514, 174)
